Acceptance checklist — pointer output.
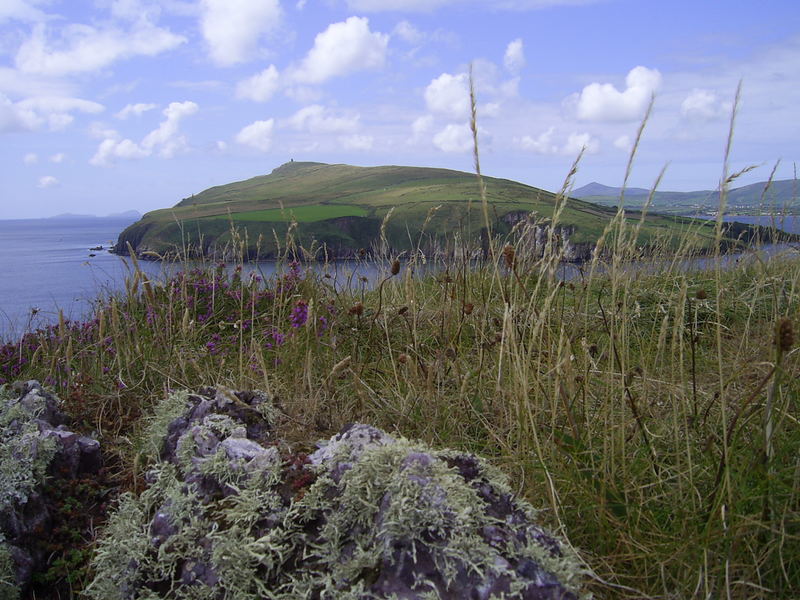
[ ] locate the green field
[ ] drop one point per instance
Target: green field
(400, 209)
(301, 214)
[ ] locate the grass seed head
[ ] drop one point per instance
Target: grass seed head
(784, 335)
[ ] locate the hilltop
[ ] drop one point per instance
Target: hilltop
(341, 209)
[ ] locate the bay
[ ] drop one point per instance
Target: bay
(46, 267)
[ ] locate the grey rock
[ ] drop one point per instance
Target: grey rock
(34, 445)
(367, 515)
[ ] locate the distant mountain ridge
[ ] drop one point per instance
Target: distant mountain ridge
(776, 196)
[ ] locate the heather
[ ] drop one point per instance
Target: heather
(651, 413)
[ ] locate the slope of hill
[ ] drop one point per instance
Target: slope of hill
(757, 198)
(341, 209)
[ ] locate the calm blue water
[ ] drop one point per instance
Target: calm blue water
(45, 265)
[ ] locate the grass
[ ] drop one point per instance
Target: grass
(301, 214)
(653, 413)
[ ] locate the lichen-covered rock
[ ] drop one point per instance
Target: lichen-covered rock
(34, 445)
(368, 515)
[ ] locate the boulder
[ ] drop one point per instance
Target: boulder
(230, 512)
(35, 448)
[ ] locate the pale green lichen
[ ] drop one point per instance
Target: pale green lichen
(322, 545)
(152, 437)
(24, 459)
(8, 584)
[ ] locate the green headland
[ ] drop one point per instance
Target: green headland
(337, 210)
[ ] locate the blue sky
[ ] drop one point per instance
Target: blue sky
(111, 105)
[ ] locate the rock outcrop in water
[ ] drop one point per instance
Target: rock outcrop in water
(230, 513)
(35, 448)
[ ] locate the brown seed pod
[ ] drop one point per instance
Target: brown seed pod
(402, 310)
(356, 309)
(784, 334)
(395, 267)
(468, 308)
(509, 256)
(701, 294)
(402, 358)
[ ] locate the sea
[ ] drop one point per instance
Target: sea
(57, 265)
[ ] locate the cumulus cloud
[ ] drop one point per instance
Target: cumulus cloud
(318, 119)
(397, 5)
(83, 48)
(703, 105)
(545, 143)
(577, 142)
(343, 48)
(166, 139)
(31, 158)
(257, 135)
(454, 138)
(47, 181)
(541, 144)
(449, 95)
(356, 142)
(58, 158)
(33, 113)
(514, 58)
(604, 102)
(233, 28)
(134, 110)
(261, 86)
(420, 127)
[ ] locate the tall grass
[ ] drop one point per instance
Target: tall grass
(652, 412)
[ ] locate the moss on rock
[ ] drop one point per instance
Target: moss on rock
(366, 516)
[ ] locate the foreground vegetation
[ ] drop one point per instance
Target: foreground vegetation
(653, 413)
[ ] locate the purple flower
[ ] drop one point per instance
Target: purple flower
(299, 314)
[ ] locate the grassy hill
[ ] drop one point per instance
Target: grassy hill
(341, 208)
(778, 197)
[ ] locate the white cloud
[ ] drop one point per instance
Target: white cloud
(545, 143)
(58, 158)
(301, 4)
(356, 142)
(221, 145)
(33, 113)
(397, 5)
(408, 33)
(83, 48)
(604, 102)
(111, 148)
(703, 105)
(624, 143)
(431, 5)
(31, 158)
(261, 86)
(166, 139)
(454, 138)
(514, 58)
(47, 181)
(318, 119)
(21, 10)
(257, 135)
(232, 28)
(541, 144)
(577, 142)
(449, 95)
(342, 48)
(135, 110)
(420, 127)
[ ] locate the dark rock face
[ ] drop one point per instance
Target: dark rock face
(35, 448)
(367, 515)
